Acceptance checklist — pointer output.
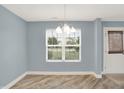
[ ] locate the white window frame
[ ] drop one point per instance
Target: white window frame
(63, 49)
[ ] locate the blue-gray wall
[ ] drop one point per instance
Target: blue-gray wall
(98, 46)
(36, 47)
(13, 53)
(113, 23)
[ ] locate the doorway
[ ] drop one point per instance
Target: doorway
(113, 50)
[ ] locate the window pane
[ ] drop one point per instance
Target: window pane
(73, 37)
(72, 40)
(54, 53)
(53, 37)
(54, 40)
(72, 53)
(115, 39)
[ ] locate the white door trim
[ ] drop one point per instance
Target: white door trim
(105, 41)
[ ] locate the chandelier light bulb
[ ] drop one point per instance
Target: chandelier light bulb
(73, 30)
(58, 29)
(66, 29)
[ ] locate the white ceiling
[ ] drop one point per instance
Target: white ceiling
(49, 12)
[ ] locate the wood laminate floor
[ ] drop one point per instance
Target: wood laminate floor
(70, 82)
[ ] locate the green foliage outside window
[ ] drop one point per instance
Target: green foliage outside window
(53, 41)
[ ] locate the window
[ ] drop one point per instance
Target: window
(63, 46)
(115, 41)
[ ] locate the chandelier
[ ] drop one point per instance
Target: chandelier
(65, 28)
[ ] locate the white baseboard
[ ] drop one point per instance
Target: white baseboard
(15, 81)
(63, 73)
(98, 75)
(58, 73)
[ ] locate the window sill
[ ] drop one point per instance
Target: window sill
(60, 61)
